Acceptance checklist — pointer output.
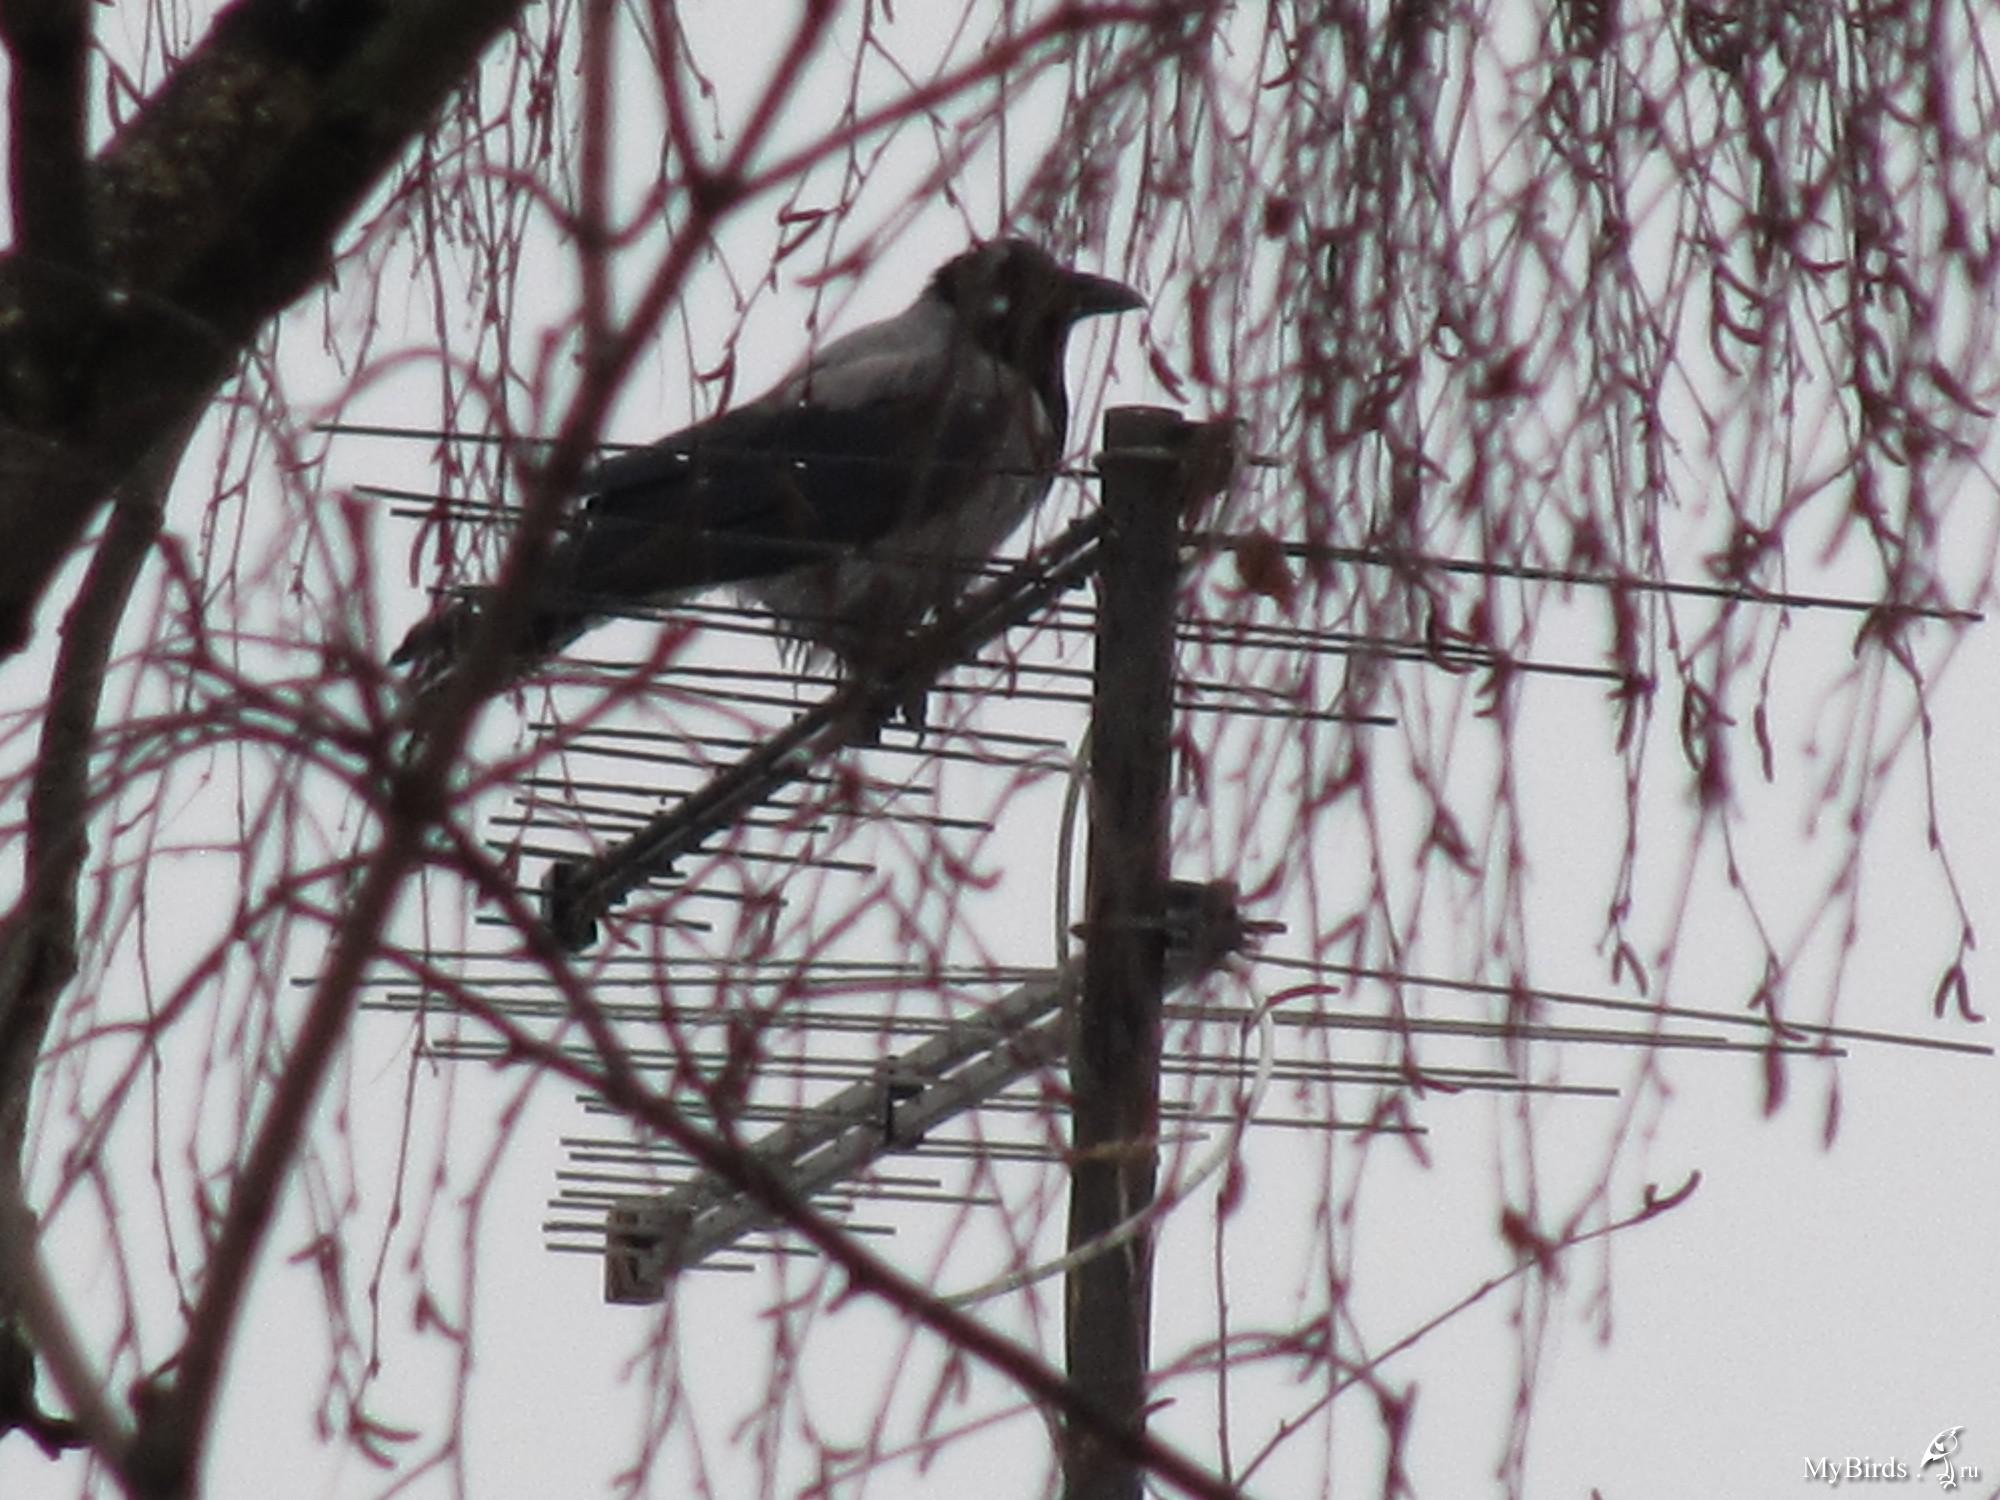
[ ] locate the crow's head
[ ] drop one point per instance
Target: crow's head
(1016, 302)
(1007, 290)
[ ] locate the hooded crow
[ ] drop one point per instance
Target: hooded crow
(860, 496)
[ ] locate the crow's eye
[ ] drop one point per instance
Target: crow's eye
(998, 305)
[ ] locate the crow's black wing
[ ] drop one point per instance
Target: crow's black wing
(791, 480)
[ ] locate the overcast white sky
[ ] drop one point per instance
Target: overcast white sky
(1808, 1303)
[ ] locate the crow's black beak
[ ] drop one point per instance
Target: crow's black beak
(1091, 296)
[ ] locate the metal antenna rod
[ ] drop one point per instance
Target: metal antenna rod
(651, 1238)
(576, 893)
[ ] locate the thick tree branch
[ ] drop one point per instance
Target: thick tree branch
(217, 207)
(46, 124)
(45, 41)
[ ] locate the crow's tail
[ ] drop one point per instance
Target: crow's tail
(437, 643)
(434, 644)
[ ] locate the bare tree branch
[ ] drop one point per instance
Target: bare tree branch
(38, 944)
